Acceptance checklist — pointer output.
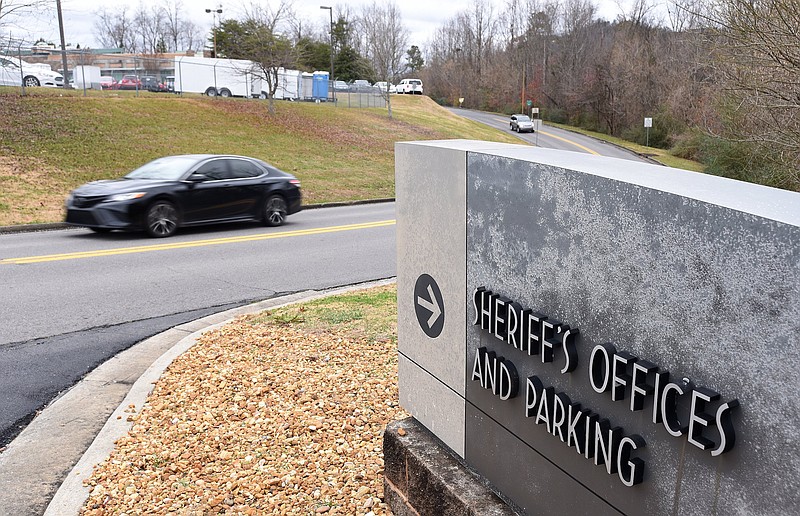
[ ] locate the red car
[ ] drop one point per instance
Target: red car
(130, 82)
(108, 83)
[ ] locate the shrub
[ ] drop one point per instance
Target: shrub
(745, 161)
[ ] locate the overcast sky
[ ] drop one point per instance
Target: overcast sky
(422, 17)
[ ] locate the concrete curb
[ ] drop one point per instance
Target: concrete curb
(52, 226)
(77, 431)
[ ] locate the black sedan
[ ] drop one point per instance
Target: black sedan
(189, 190)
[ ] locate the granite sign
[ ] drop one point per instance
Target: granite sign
(620, 373)
(601, 335)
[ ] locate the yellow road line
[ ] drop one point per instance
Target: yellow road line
(578, 145)
(551, 135)
(195, 243)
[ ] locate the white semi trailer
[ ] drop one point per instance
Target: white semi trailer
(289, 84)
(223, 77)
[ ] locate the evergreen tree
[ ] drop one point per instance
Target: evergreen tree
(414, 58)
(313, 55)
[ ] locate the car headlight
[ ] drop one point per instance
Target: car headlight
(127, 196)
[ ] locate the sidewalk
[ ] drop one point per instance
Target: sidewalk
(80, 427)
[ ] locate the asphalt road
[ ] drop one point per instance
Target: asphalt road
(552, 137)
(72, 299)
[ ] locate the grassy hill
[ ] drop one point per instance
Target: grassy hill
(54, 140)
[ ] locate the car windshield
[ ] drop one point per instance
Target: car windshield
(170, 168)
(523, 118)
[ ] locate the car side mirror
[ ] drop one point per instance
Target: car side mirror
(196, 177)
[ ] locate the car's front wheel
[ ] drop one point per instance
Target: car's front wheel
(30, 80)
(161, 219)
(275, 211)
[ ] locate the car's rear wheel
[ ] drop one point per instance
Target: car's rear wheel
(275, 211)
(30, 80)
(211, 92)
(161, 219)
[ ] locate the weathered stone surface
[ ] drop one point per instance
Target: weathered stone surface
(696, 274)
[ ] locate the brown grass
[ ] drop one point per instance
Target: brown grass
(52, 141)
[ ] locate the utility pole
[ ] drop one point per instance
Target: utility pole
(63, 45)
(522, 94)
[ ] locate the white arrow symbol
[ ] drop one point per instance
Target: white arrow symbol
(430, 305)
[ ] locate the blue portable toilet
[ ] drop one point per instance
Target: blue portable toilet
(320, 88)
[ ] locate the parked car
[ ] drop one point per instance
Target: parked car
(130, 82)
(107, 82)
(410, 86)
(15, 72)
(340, 86)
(521, 123)
(382, 85)
(361, 85)
(151, 83)
(176, 191)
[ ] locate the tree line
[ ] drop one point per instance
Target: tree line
(148, 29)
(371, 43)
(720, 78)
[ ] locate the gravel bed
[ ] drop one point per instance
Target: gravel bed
(266, 415)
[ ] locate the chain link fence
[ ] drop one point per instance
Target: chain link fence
(25, 65)
(357, 96)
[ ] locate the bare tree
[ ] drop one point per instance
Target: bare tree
(471, 40)
(148, 30)
(639, 12)
(685, 15)
(114, 28)
(179, 31)
(758, 52)
(386, 39)
(10, 10)
(266, 43)
(573, 73)
(149, 26)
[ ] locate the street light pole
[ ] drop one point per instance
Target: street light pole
(330, 11)
(214, 13)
